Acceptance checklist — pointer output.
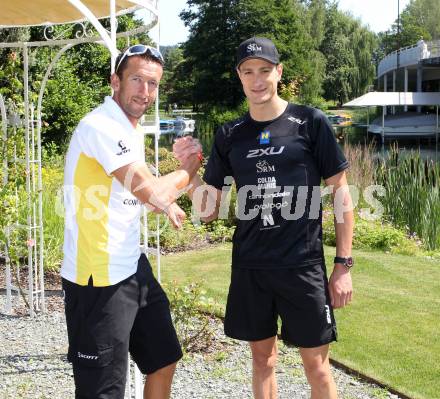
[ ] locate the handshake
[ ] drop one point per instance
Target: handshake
(187, 147)
(188, 151)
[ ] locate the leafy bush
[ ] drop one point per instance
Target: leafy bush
(373, 235)
(52, 178)
(382, 236)
(67, 101)
(219, 231)
(189, 236)
(192, 325)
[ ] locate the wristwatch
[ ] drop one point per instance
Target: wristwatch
(347, 261)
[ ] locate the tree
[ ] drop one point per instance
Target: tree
(310, 89)
(423, 14)
(216, 29)
(173, 60)
(420, 19)
(317, 10)
(348, 48)
(78, 82)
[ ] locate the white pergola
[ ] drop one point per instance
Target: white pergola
(47, 13)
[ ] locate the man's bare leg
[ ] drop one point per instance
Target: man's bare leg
(317, 368)
(158, 384)
(264, 359)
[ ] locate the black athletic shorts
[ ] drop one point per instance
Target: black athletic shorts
(298, 296)
(105, 323)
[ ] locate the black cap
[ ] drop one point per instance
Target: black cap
(257, 47)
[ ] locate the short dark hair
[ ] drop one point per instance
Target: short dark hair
(123, 65)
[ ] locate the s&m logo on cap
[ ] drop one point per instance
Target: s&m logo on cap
(253, 47)
(265, 137)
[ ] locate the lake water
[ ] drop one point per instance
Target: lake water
(358, 135)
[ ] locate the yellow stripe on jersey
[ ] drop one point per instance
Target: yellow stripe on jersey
(92, 219)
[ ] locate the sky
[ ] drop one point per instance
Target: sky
(378, 14)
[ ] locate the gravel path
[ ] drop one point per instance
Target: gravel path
(33, 365)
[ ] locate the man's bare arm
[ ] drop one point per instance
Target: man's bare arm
(344, 218)
(157, 193)
(340, 284)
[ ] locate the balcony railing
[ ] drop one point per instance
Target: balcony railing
(410, 55)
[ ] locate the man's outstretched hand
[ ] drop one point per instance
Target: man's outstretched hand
(186, 146)
(176, 215)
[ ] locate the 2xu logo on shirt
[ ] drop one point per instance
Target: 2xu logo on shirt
(259, 152)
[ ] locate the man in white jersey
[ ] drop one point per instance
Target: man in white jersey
(113, 303)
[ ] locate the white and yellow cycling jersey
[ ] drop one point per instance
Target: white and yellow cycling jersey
(102, 228)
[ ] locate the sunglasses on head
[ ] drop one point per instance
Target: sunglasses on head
(140, 49)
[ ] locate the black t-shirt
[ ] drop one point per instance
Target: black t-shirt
(277, 166)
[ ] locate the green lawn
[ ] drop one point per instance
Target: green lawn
(390, 332)
(210, 267)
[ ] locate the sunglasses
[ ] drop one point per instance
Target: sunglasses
(140, 49)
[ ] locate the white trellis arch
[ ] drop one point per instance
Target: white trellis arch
(21, 13)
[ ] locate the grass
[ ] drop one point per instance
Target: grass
(390, 331)
(209, 267)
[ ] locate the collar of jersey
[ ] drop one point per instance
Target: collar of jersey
(116, 113)
(263, 123)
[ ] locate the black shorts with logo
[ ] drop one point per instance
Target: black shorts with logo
(105, 323)
(299, 296)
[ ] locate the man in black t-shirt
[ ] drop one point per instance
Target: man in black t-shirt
(277, 155)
